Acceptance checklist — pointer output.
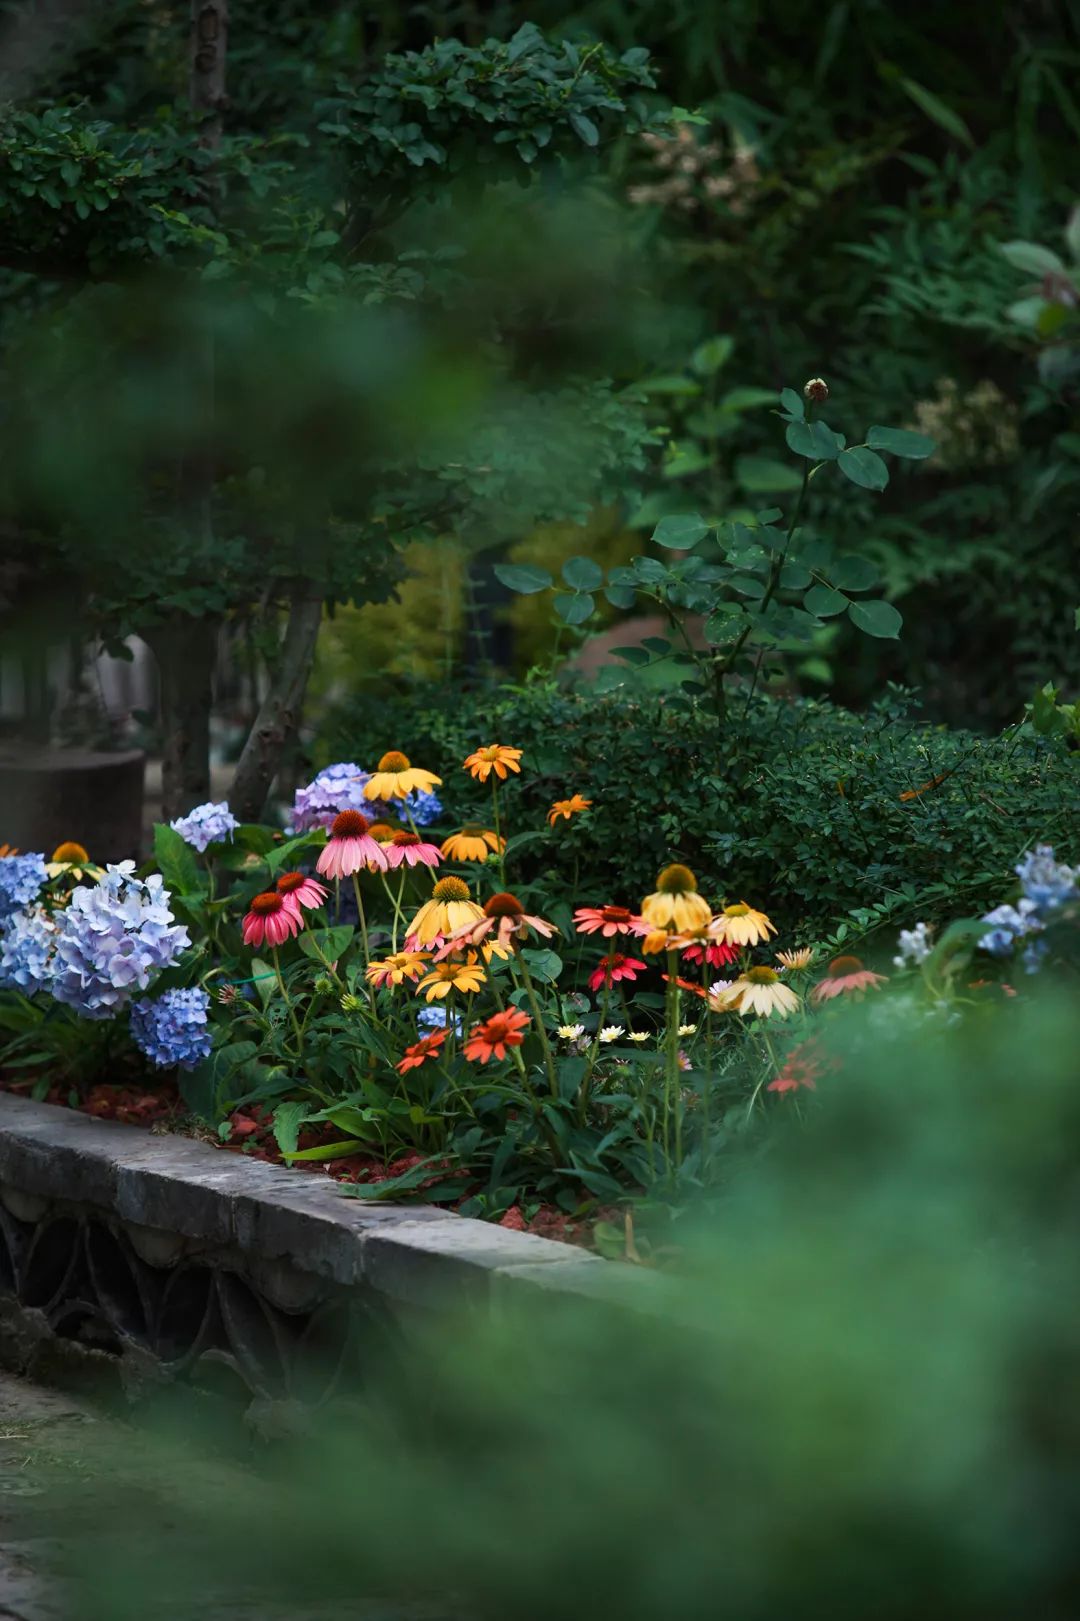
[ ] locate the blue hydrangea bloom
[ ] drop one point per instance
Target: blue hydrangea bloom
(206, 824)
(114, 937)
(423, 808)
(27, 944)
(172, 1030)
(1007, 925)
(1046, 883)
(433, 1017)
(21, 880)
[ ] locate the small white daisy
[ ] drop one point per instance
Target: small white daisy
(570, 1032)
(611, 1032)
(687, 1029)
(637, 1035)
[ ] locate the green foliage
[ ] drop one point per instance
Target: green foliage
(797, 806)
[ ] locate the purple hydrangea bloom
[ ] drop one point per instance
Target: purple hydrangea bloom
(21, 880)
(1046, 883)
(172, 1030)
(27, 944)
(336, 788)
(206, 824)
(114, 937)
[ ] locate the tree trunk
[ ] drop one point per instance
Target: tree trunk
(279, 713)
(206, 66)
(186, 652)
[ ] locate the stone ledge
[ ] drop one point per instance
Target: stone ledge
(173, 1187)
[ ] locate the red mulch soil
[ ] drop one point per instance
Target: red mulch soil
(252, 1135)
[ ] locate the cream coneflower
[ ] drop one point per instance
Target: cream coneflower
(410, 848)
(496, 757)
(506, 919)
(759, 990)
(448, 910)
(395, 778)
(675, 904)
(740, 925)
(802, 957)
(403, 965)
(349, 847)
(473, 843)
(71, 858)
(846, 977)
(445, 977)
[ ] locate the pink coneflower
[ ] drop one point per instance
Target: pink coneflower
(299, 890)
(805, 1065)
(608, 921)
(350, 847)
(846, 977)
(410, 848)
(613, 968)
(272, 919)
(504, 917)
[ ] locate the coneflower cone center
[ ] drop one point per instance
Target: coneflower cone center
(70, 851)
(405, 838)
(737, 911)
(676, 880)
(762, 976)
(503, 905)
(474, 830)
(845, 965)
(394, 761)
(290, 881)
(451, 889)
(349, 824)
(264, 905)
(615, 914)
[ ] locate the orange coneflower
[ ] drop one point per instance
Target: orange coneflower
(393, 970)
(8, 850)
(473, 843)
(448, 911)
(568, 807)
(395, 778)
(846, 977)
(445, 977)
(496, 757)
(675, 904)
(506, 918)
(419, 1053)
(496, 1035)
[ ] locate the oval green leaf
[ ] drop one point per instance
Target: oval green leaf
(573, 608)
(762, 475)
(582, 574)
(863, 467)
(792, 403)
(900, 442)
(681, 532)
(523, 578)
(876, 618)
(823, 601)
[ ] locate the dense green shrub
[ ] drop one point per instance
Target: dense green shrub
(798, 805)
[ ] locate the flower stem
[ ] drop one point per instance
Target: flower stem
(672, 1110)
(498, 829)
(395, 901)
(288, 1002)
(534, 1003)
(594, 1051)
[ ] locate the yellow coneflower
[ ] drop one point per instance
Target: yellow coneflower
(496, 757)
(445, 977)
(382, 832)
(675, 905)
(568, 807)
(448, 909)
(394, 970)
(740, 925)
(759, 990)
(70, 858)
(395, 778)
(473, 843)
(800, 958)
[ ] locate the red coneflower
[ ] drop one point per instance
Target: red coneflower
(613, 968)
(717, 953)
(496, 1036)
(350, 847)
(300, 890)
(271, 920)
(419, 1053)
(609, 921)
